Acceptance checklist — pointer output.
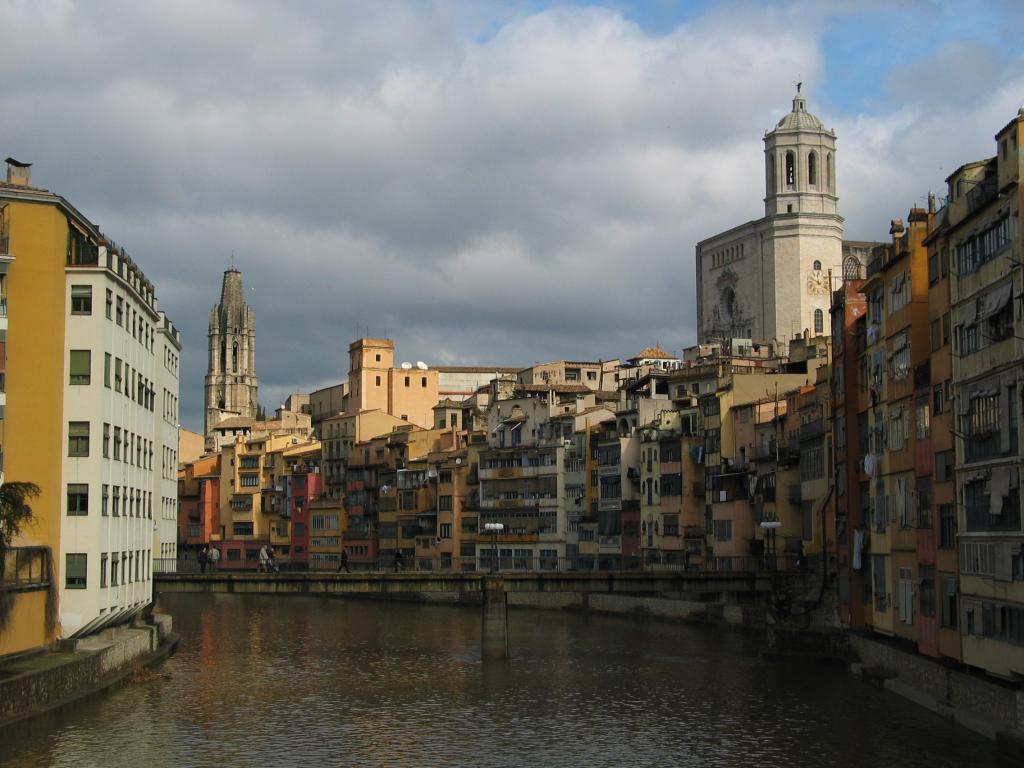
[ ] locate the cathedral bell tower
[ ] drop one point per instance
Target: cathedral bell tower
(770, 279)
(231, 384)
(800, 165)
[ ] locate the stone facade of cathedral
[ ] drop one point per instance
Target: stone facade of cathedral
(769, 279)
(231, 384)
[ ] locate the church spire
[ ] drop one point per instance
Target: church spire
(231, 383)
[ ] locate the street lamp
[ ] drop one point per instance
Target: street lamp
(495, 529)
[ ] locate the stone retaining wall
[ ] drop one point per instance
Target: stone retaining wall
(36, 683)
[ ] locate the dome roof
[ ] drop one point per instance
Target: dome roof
(800, 119)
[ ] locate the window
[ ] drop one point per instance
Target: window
(937, 400)
(812, 170)
(110, 308)
(927, 591)
(80, 366)
(790, 169)
(78, 499)
(241, 529)
(949, 611)
(407, 381)
(723, 530)
(377, 380)
(921, 418)
(117, 374)
(120, 311)
(78, 438)
(103, 569)
(106, 441)
(117, 443)
(446, 530)
(299, 529)
(75, 570)
(81, 299)
(423, 381)
(819, 320)
(983, 247)
(106, 499)
(947, 526)
(444, 503)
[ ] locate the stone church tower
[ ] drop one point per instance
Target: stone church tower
(231, 386)
(769, 279)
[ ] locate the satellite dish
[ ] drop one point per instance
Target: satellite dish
(406, 366)
(421, 365)
(458, 462)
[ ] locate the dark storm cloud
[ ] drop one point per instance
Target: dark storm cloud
(481, 182)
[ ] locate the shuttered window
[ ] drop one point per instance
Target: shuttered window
(80, 366)
(75, 570)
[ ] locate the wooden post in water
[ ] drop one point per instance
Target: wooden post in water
(494, 625)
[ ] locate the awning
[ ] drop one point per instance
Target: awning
(994, 301)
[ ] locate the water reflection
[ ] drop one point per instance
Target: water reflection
(307, 681)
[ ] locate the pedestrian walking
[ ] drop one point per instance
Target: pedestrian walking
(398, 560)
(212, 556)
(202, 560)
(271, 564)
(344, 561)
(264, 560)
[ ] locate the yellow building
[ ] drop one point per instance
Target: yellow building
(409, 391)
(91, 391)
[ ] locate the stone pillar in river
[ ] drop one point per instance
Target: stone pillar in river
(494, 630)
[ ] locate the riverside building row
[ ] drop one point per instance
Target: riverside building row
(88, 414)
(673, 466)
(883, 454)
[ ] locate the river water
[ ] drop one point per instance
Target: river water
(274, 681)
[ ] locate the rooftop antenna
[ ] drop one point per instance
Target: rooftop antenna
(232, 259)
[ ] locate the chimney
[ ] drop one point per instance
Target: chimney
(932, 206)
(18, 173)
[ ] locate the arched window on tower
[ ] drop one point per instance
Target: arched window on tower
(851, 269)
(819, 321)
(223, 356)
(812, 169)
(234, 357)
(828, 173)
(790, 169)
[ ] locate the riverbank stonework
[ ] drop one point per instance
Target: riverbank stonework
(35, 683)
(984, 705)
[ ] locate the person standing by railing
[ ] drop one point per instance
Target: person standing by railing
(213, 555)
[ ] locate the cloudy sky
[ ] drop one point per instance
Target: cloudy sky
(485, 181)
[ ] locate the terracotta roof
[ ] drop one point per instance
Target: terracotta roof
(653, 353)
(476, 369)
(564, 388)
(234, 422)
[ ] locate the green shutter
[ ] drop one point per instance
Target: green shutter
(80, 366)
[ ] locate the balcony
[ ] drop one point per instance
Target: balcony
(519, 502)
(610, 505)
(812, 429)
